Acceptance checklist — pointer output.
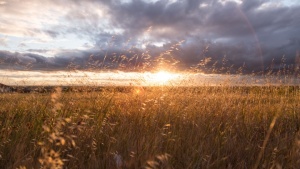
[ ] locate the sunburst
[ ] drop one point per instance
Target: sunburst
(160, 77)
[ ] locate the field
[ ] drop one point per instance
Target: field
(152, 127)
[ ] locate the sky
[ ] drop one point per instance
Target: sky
(210, 36)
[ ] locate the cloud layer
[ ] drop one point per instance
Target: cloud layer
(208, 35)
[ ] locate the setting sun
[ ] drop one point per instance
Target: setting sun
(161, 77)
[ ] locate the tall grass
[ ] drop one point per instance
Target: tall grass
(152, 127)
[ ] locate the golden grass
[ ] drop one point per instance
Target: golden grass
(154, 127)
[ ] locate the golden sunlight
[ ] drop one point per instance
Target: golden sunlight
(161, 77)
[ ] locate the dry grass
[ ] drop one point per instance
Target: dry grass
(158, 127)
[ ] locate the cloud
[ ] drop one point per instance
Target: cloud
(72, 60)
(250, 34)
(3, 42)
(205, 56)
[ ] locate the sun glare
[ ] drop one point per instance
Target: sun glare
(161, 77)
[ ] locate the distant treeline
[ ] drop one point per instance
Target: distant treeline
(46, 89)
(50, 89)
(127, 89)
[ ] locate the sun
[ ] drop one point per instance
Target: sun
(162, 76)
(159, 78)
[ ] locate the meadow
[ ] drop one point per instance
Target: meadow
(152, 127)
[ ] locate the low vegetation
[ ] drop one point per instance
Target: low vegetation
(152, 127)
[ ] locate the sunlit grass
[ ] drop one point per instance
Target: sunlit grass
(136, 127)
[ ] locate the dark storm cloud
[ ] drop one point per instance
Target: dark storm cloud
(75, 60)
(253, 35)
(225, 26)
(213, 34)
(136, 17)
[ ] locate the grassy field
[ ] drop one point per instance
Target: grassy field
(154, 127)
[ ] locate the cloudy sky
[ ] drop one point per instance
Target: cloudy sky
(133, 35)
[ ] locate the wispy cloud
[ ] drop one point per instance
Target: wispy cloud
(3, 42)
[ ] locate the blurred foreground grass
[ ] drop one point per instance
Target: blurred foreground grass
(154, 127)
